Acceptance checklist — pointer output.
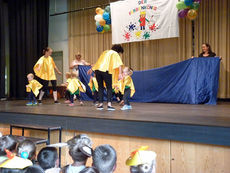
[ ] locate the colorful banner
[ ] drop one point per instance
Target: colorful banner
(140, 20)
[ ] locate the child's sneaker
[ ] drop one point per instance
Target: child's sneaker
(67, 102)
(71, 104)
(110, 108)
(125, 107)
(29, 104)
(39, 102)
(35, 103)
(81, 103)
(56, 102)
(130, 107)
(100, 107)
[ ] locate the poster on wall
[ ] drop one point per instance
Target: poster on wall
(140, 20)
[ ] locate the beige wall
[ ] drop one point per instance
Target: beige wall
(212, 26)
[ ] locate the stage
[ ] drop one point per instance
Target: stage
(209, 124)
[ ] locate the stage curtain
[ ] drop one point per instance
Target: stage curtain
(3, 18)
(211, 25)
(28, 32)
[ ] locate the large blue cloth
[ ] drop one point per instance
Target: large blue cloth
(194, 81)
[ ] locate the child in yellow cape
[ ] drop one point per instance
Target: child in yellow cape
(94, 88)
(33, 89)
(75, 86)
(67, 93)
(126, 87)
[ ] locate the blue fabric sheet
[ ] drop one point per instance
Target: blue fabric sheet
(194, 81)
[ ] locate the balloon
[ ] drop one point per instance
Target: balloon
(98, 9)
(108, 22)
(181, 5)
(195, 5)
(107, 8)
(183, 13)
(188, 2)
(98, 17)
(192, 14)
(101, 12)
(99, 28)
(106, 16)
(102, 31)
(102, 22)
(97, 23)
(106, 28)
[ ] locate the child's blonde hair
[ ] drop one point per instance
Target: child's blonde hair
(30, 74)
(130, 70)
(74, 74)
(68, 75)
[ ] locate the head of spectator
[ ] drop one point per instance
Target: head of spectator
(79, 150)
(27, 150)
(34, 169)
(105, 158)
(7, 142)
(48, 159)
(142, 161)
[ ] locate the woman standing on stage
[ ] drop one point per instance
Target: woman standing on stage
(44, 69)
(207, 51)
(108, 68)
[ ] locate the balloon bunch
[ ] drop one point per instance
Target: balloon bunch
(103, 20)
(188, 8)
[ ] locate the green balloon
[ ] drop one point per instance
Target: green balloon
(181, 5)
(195, 5)
(106, 28)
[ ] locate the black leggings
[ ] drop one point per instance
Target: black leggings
(95, 96)
(104, 76)
(126, 96)
(45, 84)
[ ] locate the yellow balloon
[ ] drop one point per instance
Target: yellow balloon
(102, 22)
(101, 11)
(98, 9)
(192, 14)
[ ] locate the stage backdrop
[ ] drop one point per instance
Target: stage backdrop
(212, 25)
(140, 20)
(194, 81)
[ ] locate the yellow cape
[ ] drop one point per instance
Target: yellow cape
(93, 81)
(35, 86)
(46, 71)
(126, 81)
(76, 84)
(16, 163)
(109, 61)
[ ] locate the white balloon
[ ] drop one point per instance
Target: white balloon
(98, 17)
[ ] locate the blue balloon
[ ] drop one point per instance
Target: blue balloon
(188, 2)
(108, 22)
(106, 16)
(99, 28)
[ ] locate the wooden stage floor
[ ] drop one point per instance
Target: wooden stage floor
(209, 124)
(207, 115)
